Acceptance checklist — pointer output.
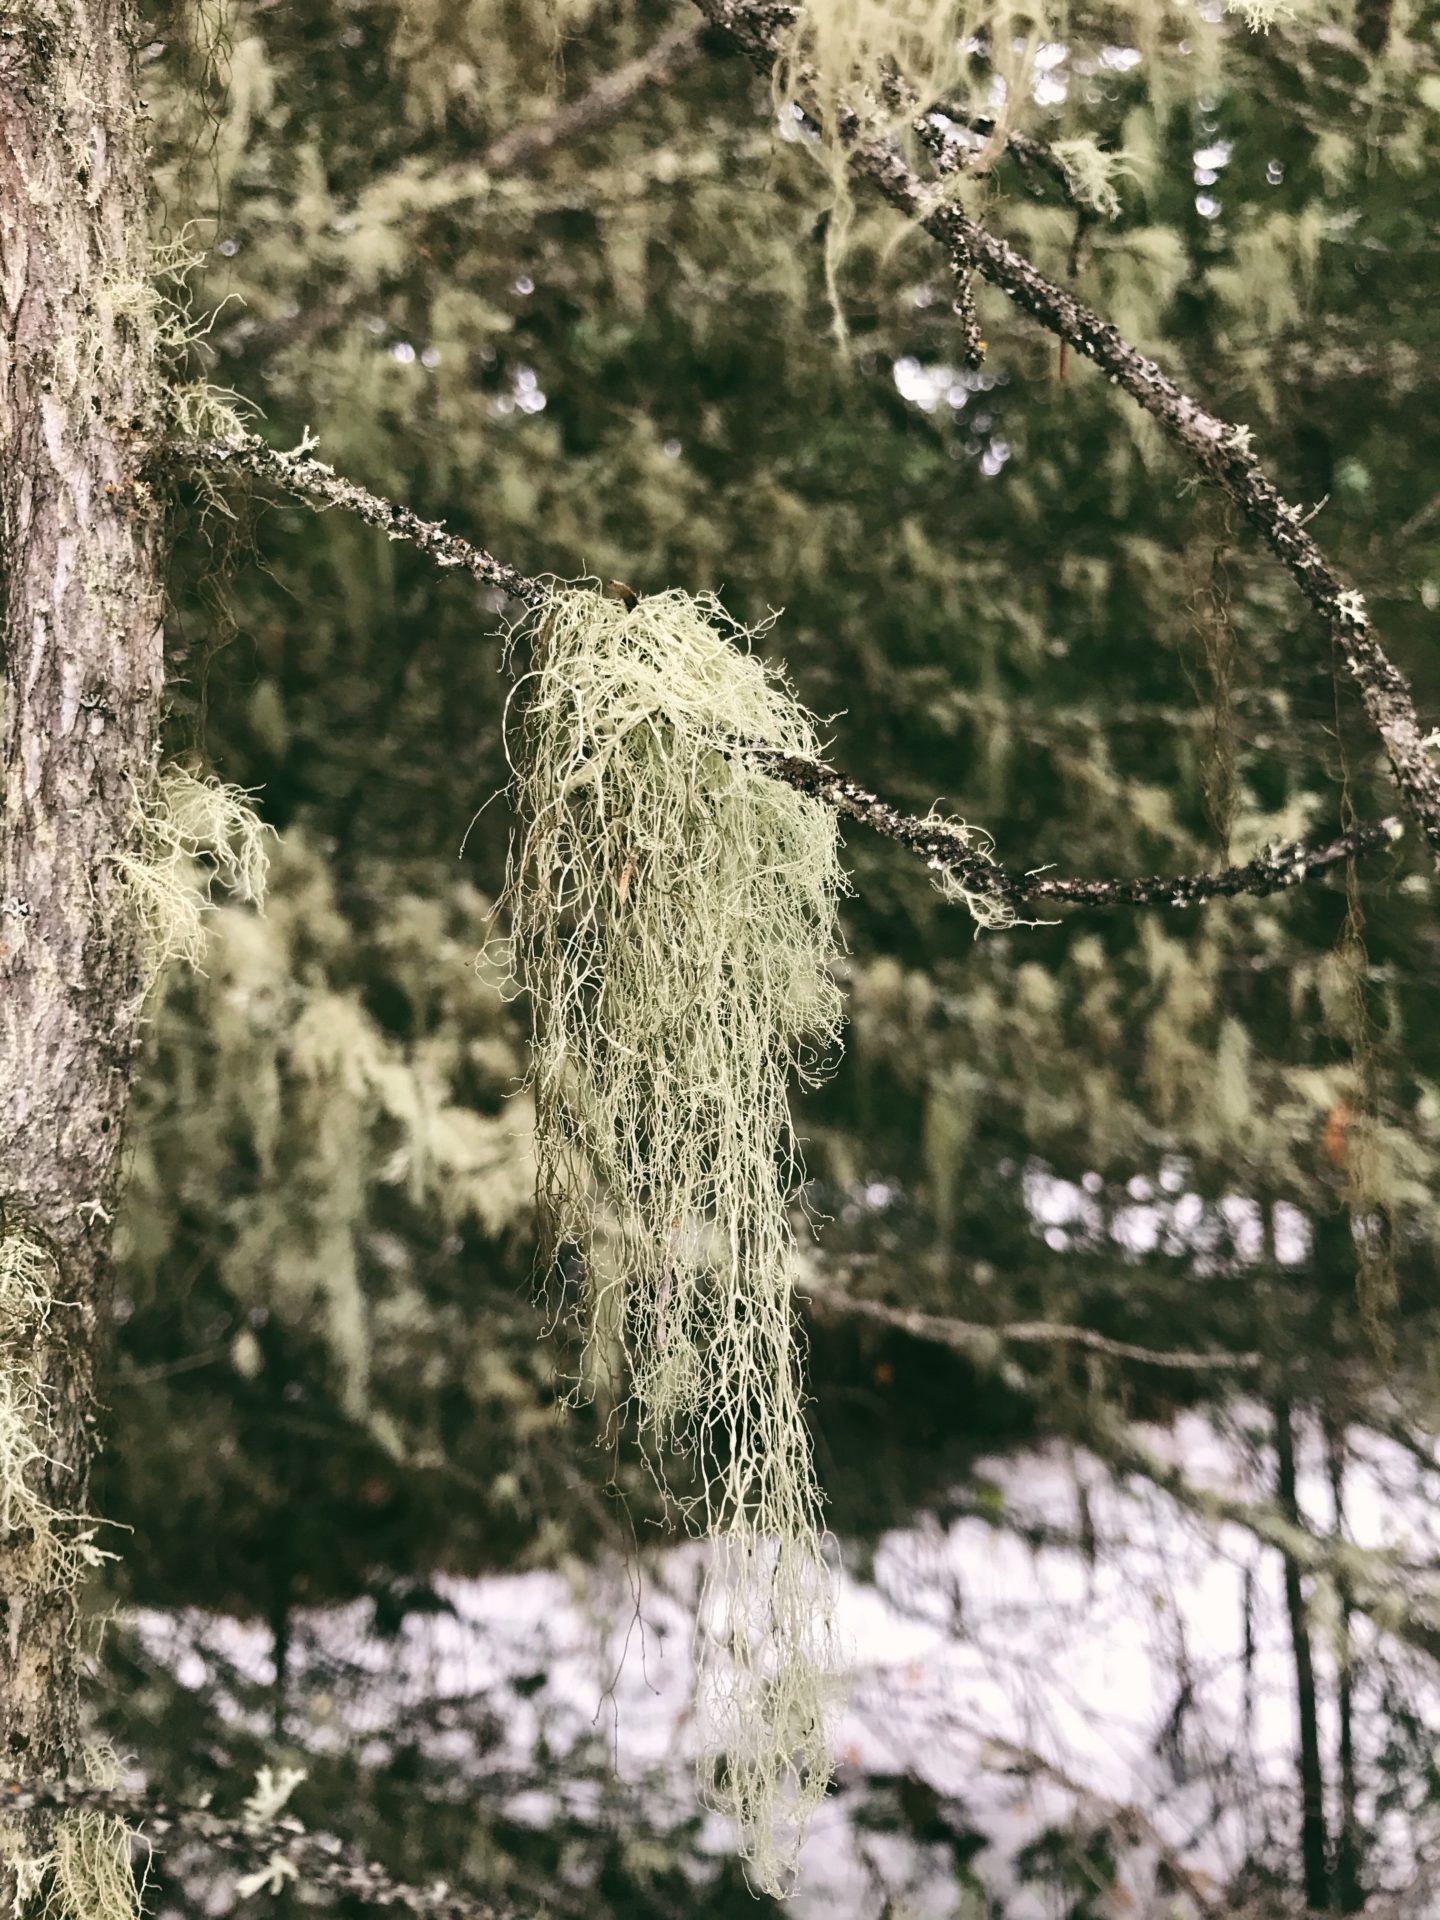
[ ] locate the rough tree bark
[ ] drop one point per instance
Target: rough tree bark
(80, 650)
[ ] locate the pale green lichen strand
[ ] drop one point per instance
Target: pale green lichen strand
(49, 1546)
(1094, 174)
(188, 831)
(674, 921)
(89, 1871)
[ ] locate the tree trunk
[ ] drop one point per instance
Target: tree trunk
(80, 651)
(1349, 1844)
(1314, 1839)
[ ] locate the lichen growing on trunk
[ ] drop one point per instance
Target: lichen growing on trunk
(86, 1873)
(81, 661)
(674, 922)
(51, 1547)
(91, 1871)
(187, 831)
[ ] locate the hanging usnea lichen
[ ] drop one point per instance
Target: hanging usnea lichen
(674, 922)
(88, 1872)
(886, 66)
(187, 831)
(895, 57)
(899, 56)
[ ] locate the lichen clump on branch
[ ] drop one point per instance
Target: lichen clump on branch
(674, 922)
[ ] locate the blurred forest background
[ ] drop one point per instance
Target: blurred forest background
(1131, 1635)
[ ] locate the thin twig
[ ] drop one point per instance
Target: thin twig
(943, 846)
(318, 484)
(1124, 1816)
(946, 849)
(1373, 1579)
(1030, 155)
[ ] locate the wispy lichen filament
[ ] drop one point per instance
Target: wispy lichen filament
(674, 920)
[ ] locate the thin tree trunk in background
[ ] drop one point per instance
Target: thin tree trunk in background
(1314, 1841)
(1349, 1851)
(80, 652)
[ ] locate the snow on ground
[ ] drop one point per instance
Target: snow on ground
(1121, 1675)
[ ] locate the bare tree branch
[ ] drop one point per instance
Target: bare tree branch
(1371, 1579)
(970, 1336)
(944, 846)
(610, 96)
(1124, 1816)
(1374, 1581)
(1221, 451)
(516, 151)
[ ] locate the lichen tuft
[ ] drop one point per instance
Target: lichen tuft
(674, 922)
(91, 1872)
(189, 831)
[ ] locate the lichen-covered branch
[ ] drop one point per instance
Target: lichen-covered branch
(282, 1849)
(1033, 157)
(946, 848)
(319, 485)
(758, 28)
